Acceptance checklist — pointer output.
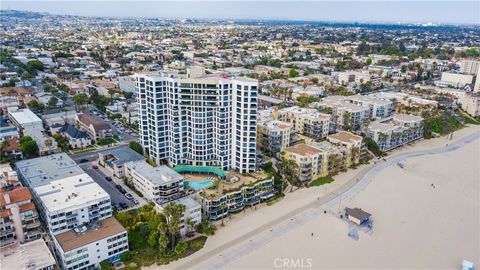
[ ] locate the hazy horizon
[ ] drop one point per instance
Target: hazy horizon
(444, 12)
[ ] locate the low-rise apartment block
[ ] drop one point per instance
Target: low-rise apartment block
(19, 218)
(471, 104)
(190, 218)
(307, 122)
(275, 135)
(157, 184)
(396, 131)
(95, 128)
(34, 255)
(115, 159)
(87, 246)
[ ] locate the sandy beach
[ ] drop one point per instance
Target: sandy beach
(416, 225)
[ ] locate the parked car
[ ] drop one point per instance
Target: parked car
(94, 166)
(108, 178)
(123, 205)
(83, 160)
(129, 196)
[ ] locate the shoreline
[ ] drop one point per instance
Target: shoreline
(296, 203)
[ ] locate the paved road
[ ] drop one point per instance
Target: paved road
(220, 256)
(93, 155)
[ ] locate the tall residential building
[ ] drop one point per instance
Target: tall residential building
(307, 122)
(204, 121)
(275, 135)
(469, 67)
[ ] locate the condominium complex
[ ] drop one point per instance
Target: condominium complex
(469, 67)
(203, 121)
(215, 208)
(75, 210)
(351, 112)
(19, 220)
(33, 255)
(325, 158)
(471, 103)
(275, 135)
(307, 122)
(86, 247)
(157, 184)
(396, 131)
(190, 217)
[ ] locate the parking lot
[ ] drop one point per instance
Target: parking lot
(124, 133)
(119, 201)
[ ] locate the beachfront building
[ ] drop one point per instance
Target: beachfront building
(191, 217)
(275, 135)
(351, 112)
(353, 143)
(19, 220)
(115, 159)
(199, 121)
(218, 207)
(87, 246)
(471, 103)
(321, 159)
(357, 215)
(395, 131)
(75, 210)
(34, 255)
(306, 121)
(157, 184)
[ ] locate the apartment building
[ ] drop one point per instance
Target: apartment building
(275, 135)
(204, 121)
(395, 131)
(115, 159)
(33, 255)
(19, 218)
(94, 127)
(351, 112)
(157, 184)
(307, 122)
(470, 67)
(29, 124)
(75, 210)
(352, 142)
(190, 217)
(217, 207)
(457, 80)
(471, 103)
(87, 246)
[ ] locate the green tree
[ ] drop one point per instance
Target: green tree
(80, 99)
(52, 102)
(293, 73)
(173, 212)
(34, 65)
(369, 61)
(136, 146)
(105, 265)
(62, 141)
(403, 69)
(28, 146)
(35, 106)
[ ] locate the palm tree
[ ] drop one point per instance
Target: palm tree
(189, 222)
(223, 206)
(4, 146)
(355, 153)
(173, 212)
(48, 143)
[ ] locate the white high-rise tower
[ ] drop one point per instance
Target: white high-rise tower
(206, 121)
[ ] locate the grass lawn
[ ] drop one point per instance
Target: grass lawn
(85, 149)
(322, 181)
(468, 118)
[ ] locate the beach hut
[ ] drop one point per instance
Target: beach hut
(357, 215)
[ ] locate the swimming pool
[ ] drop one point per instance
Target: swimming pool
(199, 185)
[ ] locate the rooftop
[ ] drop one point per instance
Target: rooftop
(156, 175)
(357, 213)
(25, 116)
(97, 231)
(32, 255)
(43, 170)
(15, 196)
(345, 136)
(88, 119)
(70, 193)
(303, 149)
(122, 155)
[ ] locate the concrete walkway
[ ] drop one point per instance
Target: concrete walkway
(220, 256)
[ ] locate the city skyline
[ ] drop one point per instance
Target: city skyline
(444, 12)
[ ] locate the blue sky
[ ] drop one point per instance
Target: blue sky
(344, 11)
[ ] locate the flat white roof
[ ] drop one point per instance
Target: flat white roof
(156, 175)
(71, 193)
(25, 116)
(31, 255)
